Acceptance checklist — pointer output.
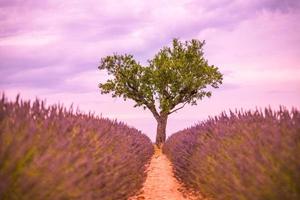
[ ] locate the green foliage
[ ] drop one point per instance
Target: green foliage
(174, 77)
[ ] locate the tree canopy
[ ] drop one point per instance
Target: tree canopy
(176, 76)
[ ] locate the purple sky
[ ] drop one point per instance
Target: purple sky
(51, 50)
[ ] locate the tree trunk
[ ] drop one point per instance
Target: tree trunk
(161, 130)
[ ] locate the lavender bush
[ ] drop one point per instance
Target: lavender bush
(242, 156)
(55, 153)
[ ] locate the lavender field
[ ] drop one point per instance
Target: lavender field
(57, 153)
(240, 156)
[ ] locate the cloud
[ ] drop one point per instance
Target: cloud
(52, 49)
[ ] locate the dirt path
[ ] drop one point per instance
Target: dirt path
(160, 183)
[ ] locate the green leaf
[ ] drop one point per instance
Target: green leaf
(177, 75)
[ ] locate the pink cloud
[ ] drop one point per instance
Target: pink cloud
(51, 50)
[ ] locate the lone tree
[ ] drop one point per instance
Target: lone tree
(176, 76)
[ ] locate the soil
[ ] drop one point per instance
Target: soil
(160, 183)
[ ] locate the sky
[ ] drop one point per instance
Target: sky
(51, 50)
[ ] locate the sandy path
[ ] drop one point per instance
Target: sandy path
(160, 183)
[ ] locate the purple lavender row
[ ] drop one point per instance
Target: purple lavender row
(56, 153)
(240, 155)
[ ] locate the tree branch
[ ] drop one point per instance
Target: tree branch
(150, 106)
(154, 111)
(177, 108)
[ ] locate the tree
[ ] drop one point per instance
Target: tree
(175, 77)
